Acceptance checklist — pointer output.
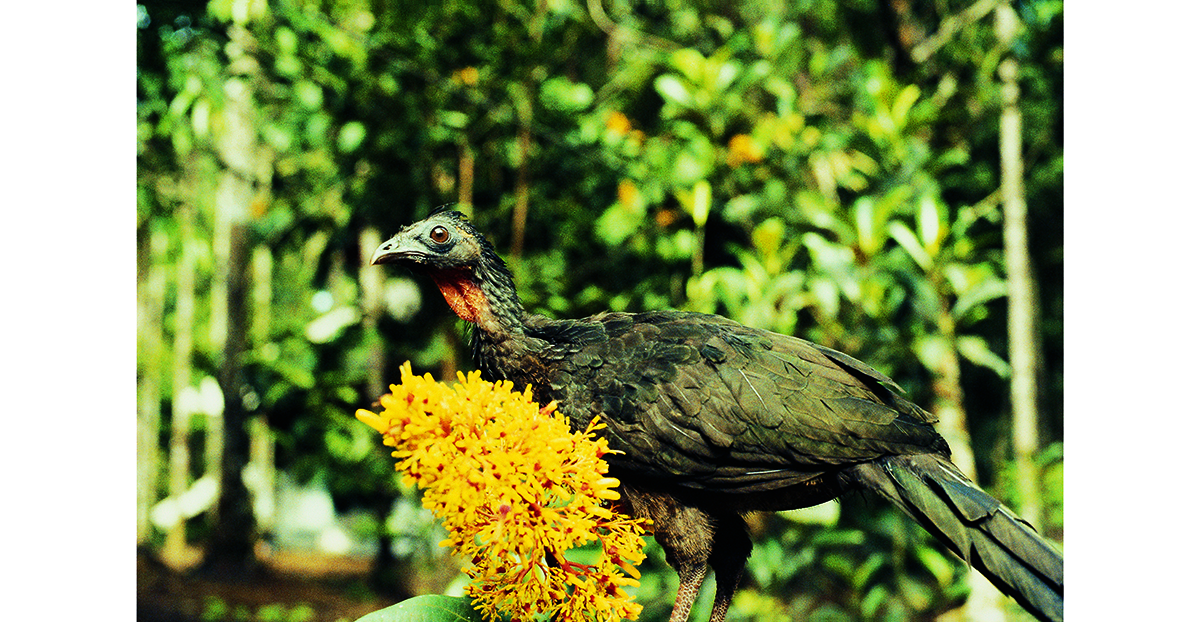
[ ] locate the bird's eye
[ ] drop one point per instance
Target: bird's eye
(439, 234)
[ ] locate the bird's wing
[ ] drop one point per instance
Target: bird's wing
(705, 402)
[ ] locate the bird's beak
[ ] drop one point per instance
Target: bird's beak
(394, 250)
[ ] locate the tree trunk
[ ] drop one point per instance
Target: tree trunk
(262, 442)
(1022, 350)
(524, 151)
(179, 476)
(232, 547)
(152, 286)
(385, 570)
(983, 603)
(466, 176)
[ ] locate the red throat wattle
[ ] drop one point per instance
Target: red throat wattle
(461, 292)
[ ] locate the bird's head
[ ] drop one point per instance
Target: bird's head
(475, 282)
(444, 241)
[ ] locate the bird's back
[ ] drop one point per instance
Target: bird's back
(697, 401)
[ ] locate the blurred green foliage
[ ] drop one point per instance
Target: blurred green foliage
(789, 165)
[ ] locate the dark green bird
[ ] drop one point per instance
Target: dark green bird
(716, 419)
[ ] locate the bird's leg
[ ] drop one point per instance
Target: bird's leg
(731, 548)
(686, 535)
(691, 577)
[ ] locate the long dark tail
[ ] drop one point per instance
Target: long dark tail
(977, 527)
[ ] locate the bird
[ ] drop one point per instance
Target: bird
(712, 420)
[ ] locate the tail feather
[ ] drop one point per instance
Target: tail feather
(974, 525)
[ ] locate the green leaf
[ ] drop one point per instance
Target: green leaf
(330, 325)
(865, 221)
(908, 241)
(862, 576)
(309, 94)
(453, 118)
(427, 608)
(351, 136)
(701, 202)
(937, 564)
(929, 223)
(690, 63)
(617, 224)
(984, 292)
(822, 514)
(931, 350)
(975, 349)
(673, 89)
(904, 101)
(563, 94)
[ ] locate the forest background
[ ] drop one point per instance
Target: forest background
(839, 171)
(810, 169)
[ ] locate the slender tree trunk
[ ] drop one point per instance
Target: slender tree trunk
(1022, 346)
(179, 472)
(948, 399)
(232, 550)
(152, 293)
(466, 175)
(524, 149)
(983, 603)
(262, 442)
(385, 571)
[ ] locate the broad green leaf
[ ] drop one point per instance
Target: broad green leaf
(932, 350)
(351, 136)
(862, 576)
(929, 223)
(975, 349)
(563, 94)
(453, 118)
(866, 222)
(701, 202)
(823, 514)
(327, 327)
(673, 90)
(309, 94)
(690, 63)
(904, 101)
(427, 608)
(617, 224)
(990, 289)
(725, 76)
(937, 564)
(908, 241)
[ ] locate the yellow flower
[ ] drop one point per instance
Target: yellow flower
(516, 490)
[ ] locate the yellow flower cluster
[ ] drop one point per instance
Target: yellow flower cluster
(516, 490)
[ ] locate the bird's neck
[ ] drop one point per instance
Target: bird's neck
(485, 296)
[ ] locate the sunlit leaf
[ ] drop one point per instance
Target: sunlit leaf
(327, 327)
(673, 89)
(904, 101)
(427, 608)
(616, 224)
(908, 241)
(929, 223)
(701, 202)
(690, 63)
(932, 351)
(975, 349)
(983, 292)
(565, 95)
(937, 564)
(351, 136)
(867, 569)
